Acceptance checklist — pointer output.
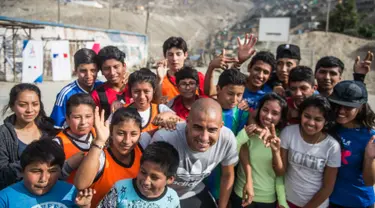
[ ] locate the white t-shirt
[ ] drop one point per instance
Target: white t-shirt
(306, 163)
(146, 115)
(195, 166)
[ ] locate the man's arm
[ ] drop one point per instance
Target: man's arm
(226, 185)
(361, 68)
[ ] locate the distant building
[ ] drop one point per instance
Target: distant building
(365, 6)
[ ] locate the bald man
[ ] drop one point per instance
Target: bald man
(202, 143)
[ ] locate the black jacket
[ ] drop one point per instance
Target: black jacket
(10, 168)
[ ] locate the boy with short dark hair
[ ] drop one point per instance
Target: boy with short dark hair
(175, 52)
(288, 56)
(111, 62)
(301, 85)
(328, 72)
(187, 80)
(41, 163)
(230, 89)
(86, 68)
(159, 164)
(77, 137)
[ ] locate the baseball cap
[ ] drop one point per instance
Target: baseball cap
(349, 93)
(288, 51)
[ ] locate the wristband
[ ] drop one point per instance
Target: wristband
(101, 147)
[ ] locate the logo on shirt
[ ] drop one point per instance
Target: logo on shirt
(194, 176)
(308, 161)
(50, 205)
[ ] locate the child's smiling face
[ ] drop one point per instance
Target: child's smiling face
(151, 180)
(142, 93)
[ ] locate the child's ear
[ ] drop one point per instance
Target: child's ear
(170, 180)
(218, 89)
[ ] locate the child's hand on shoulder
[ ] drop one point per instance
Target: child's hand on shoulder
(84, 197)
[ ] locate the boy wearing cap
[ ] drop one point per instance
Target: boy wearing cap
(355, 119)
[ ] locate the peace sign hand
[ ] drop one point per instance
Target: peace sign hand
(274, 141)
(101, 128)
(363, 67)
(246, 50)
(370, 149)
(222, 61)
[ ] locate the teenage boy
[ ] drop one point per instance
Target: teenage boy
(260, 68)
(175, 52)
(328, 72)
(288, 56)
(187, 80)
(230, 89)
(301, 86)
(77, 137)
(41, 164)
(202, 144)
(85, 66)
(159, 163)
(111, 62)
(329, 69)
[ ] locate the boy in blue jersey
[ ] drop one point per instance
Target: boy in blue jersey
(159, 164)
(41, 163)
(230, 89)
(85, 66)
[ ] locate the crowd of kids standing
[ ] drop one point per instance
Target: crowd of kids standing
(284, 135)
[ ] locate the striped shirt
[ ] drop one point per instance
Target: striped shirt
(59, 109)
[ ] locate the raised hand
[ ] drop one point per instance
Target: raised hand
(162, 69)
(246, 50)
(247, 195)
(222, 61)
(84, 197)
(370, 149)
(101, 128)
(274, 140)
(363, 67)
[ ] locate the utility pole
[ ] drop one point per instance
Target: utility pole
(58, 11)
(109, 13)
(328, 11)
(147, 17)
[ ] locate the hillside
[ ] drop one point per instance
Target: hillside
(193, 20)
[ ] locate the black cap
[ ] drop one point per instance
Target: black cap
(349, 93)
(288, 51)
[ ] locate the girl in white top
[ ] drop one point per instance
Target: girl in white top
(310, 157)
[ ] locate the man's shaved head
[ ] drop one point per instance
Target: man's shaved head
(207, 106)
(203, 124)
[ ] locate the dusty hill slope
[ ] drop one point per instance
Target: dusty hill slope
(194, 20)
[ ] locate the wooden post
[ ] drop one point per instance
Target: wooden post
(14, 53)
(109, 13)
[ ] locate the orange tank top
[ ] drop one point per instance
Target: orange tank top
(154, 112)
(169, 89)
(70, 149)
(114, 171)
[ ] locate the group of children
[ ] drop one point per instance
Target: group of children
(283, 136)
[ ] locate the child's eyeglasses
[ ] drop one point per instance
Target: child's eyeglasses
(190, 84)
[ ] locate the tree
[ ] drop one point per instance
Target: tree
(344, 17)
